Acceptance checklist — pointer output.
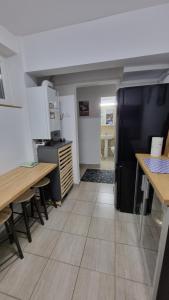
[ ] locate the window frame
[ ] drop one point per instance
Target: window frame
(5, 81)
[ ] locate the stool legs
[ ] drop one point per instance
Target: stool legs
(36, 204)
(43, 200)
(26, 220)
(11, 231)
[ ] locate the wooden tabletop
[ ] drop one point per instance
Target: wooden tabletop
(160, 182)
(15, 182)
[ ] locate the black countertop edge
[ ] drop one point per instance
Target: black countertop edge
(57, 145)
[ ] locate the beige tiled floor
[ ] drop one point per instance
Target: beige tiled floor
(86, 251)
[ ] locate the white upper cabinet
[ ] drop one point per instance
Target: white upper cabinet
(44, 113)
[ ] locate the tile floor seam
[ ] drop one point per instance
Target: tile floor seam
(97, 238)
(75, 234)
(64, 262)
(81, 260)
(101, 272)
(80, 267)
(45, 264)
(29, 252)
(134, 281)
(12, 297)
(58, 241)
(47, 260)
(52, 229)
(7, 270)
(135, 246)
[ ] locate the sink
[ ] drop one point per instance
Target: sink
(106, 137)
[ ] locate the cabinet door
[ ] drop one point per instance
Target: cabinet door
(54, 114)
(39, 113)
(54, 119)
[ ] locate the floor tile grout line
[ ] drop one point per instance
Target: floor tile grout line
(80, 267)
(89, 237)
(47, 257)
(12, 297)
(115, 276)
(47, 260)
(8, 268)
(81, 260)
(134, 281)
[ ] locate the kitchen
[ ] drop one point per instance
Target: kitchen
(84, 240)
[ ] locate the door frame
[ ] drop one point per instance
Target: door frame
(87, 84)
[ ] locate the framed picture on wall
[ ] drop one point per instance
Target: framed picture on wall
(109, 118)
(84, 108)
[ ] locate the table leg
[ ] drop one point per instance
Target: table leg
(136, 187)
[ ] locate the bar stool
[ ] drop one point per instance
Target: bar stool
(28, 198)
(6, 219)
(41, 186)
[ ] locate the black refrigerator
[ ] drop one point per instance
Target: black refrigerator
(142, 112)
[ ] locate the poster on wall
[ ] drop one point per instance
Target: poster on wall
(109, 119)
(84, 108)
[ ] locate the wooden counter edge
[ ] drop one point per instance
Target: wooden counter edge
(52, 167)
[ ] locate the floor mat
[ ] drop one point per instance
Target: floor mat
(100, 176)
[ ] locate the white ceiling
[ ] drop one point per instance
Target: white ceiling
(24, 17)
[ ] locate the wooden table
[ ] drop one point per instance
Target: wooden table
(15, 182)
(160, 182)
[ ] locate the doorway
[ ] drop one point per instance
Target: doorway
(108, 107)
(96, 107)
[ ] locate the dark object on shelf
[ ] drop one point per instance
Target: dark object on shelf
(100, 176)
(143, 112)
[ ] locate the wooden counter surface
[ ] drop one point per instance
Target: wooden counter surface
(15, 182)
(160, 182)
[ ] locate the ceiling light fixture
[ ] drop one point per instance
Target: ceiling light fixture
(108, 104)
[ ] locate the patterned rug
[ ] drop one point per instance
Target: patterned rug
(100, 176)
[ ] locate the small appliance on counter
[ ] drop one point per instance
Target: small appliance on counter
(59, 151)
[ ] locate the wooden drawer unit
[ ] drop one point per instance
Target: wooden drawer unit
(65, 168)
(62, 177)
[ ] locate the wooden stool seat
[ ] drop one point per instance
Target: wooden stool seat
(5, 214)
(27, 196)
(45, 181)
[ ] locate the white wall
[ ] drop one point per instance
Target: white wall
(132, 34)
(89, 127)
(89, 140)
(12, 147)
(69, 124)
(15, 142)
(8, 43)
